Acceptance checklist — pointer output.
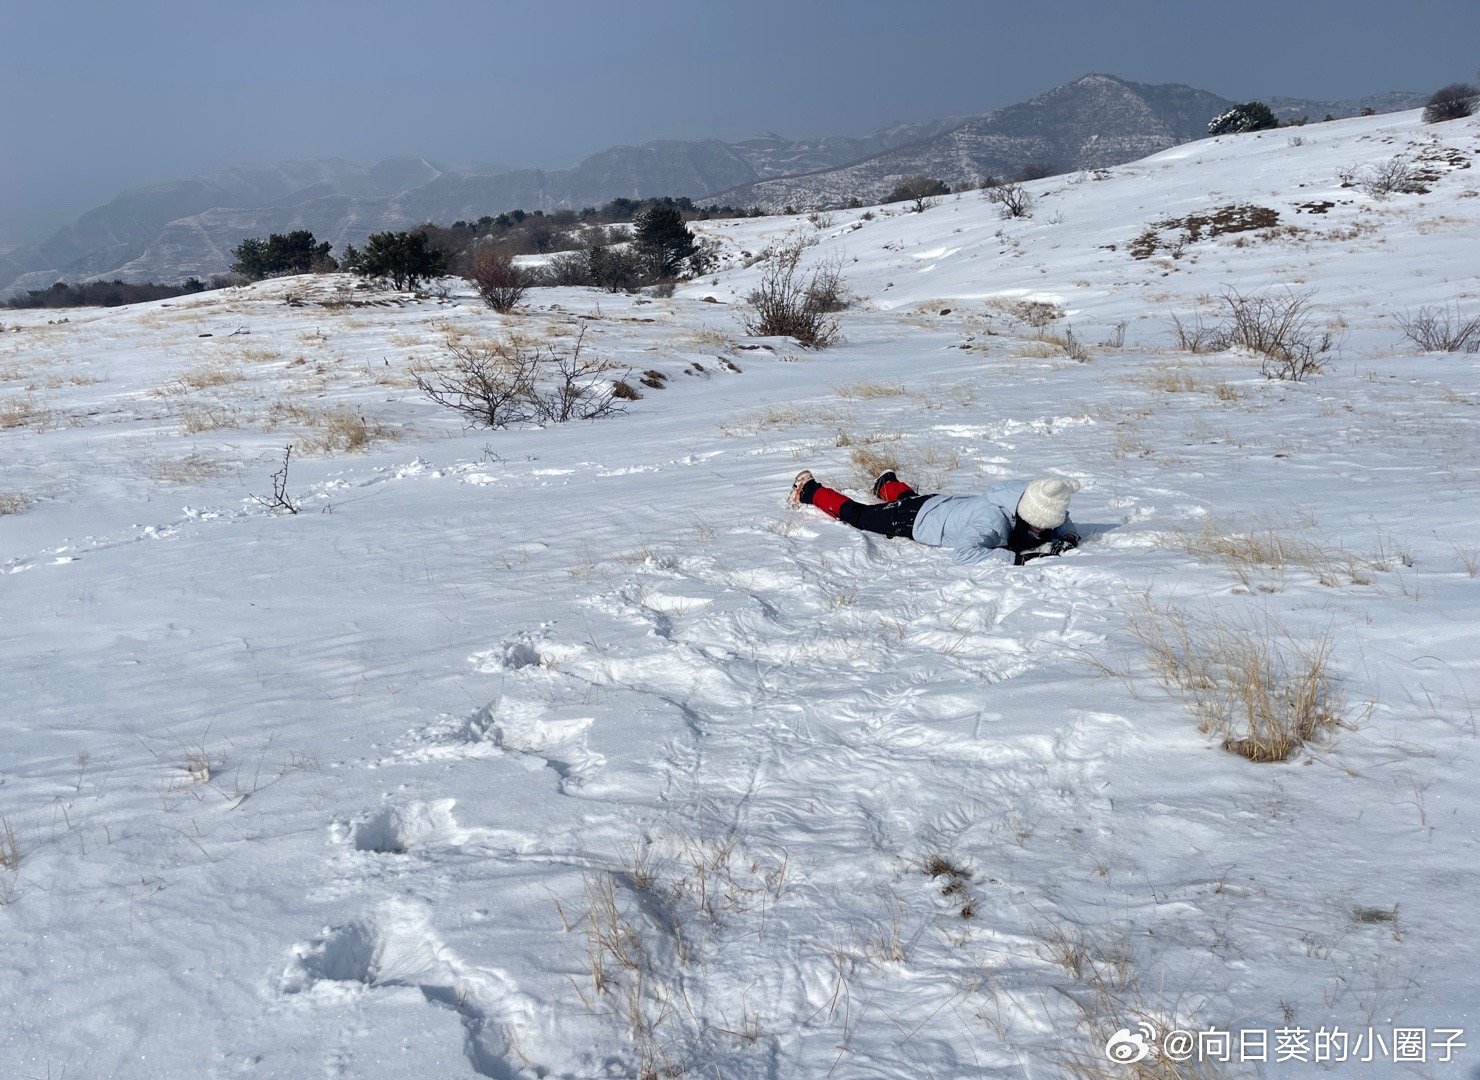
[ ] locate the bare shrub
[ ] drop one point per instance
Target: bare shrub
(1012, 197)
(1452, 102)
(1278, 327)
(920, 191)
(1441, 329)
(1197, 336)
(501, 284)
(12, 502)
(1397, 176)
(791, 303)
(1074, 348)
(1261, 691)
(280, 499)
(510, 382)
(567, 268)
(1115, 339)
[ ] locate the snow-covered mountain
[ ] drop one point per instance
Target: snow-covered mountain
(576, 752)
(1092, 122)
(171, 231)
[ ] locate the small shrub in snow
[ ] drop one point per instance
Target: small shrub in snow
(1395, 177)
(1276, 326)
(568, 268)
(1452, 102)
(1014, 200)
(919, 190)
(1250, 116)
(791, 303)
(615, 269)
(280, 499)
(1441, 330)
(509, 382)
(499, 282)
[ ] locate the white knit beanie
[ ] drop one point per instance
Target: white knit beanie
(1045, 502)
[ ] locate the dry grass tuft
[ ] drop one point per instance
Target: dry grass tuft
(1262, 692)
(18, 412)
(1172, 381)
(868, 390)
(203, 378)
(196, 421)
(1035, 313)
(13, 502)
(339, 430)
(1272, 544)
(190, 469)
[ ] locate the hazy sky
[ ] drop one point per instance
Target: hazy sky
(98, 96)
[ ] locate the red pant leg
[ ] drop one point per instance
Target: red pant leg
(827, 500)
(895, 489)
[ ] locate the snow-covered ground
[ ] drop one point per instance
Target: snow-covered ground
(575, 752)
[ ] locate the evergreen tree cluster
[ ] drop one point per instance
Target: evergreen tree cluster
(296, 252)
(1250, 116)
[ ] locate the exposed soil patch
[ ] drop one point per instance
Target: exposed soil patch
(1172, 234)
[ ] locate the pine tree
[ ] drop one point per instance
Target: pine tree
(664, 241)
(403, 258)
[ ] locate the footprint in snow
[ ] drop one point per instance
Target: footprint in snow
(543, 734)
(399, 828)
(396, 946)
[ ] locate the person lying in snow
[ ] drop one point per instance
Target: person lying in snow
(1015, 521)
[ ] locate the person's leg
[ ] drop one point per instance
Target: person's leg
(895, 518)
(891, 519)
(890, 490)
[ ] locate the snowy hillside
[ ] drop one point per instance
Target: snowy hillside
(576, 752)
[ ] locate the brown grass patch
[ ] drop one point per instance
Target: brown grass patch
(1282, 545)
(328, 431)
(19, 412)
(198, 420)
(190, 469)
(868, 390)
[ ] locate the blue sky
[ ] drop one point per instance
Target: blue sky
(99, 97)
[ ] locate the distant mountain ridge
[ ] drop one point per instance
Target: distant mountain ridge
(1093, 122)
(170, 231)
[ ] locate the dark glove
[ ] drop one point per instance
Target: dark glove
(1054, 547)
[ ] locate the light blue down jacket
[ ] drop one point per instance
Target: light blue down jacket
(977, 527)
